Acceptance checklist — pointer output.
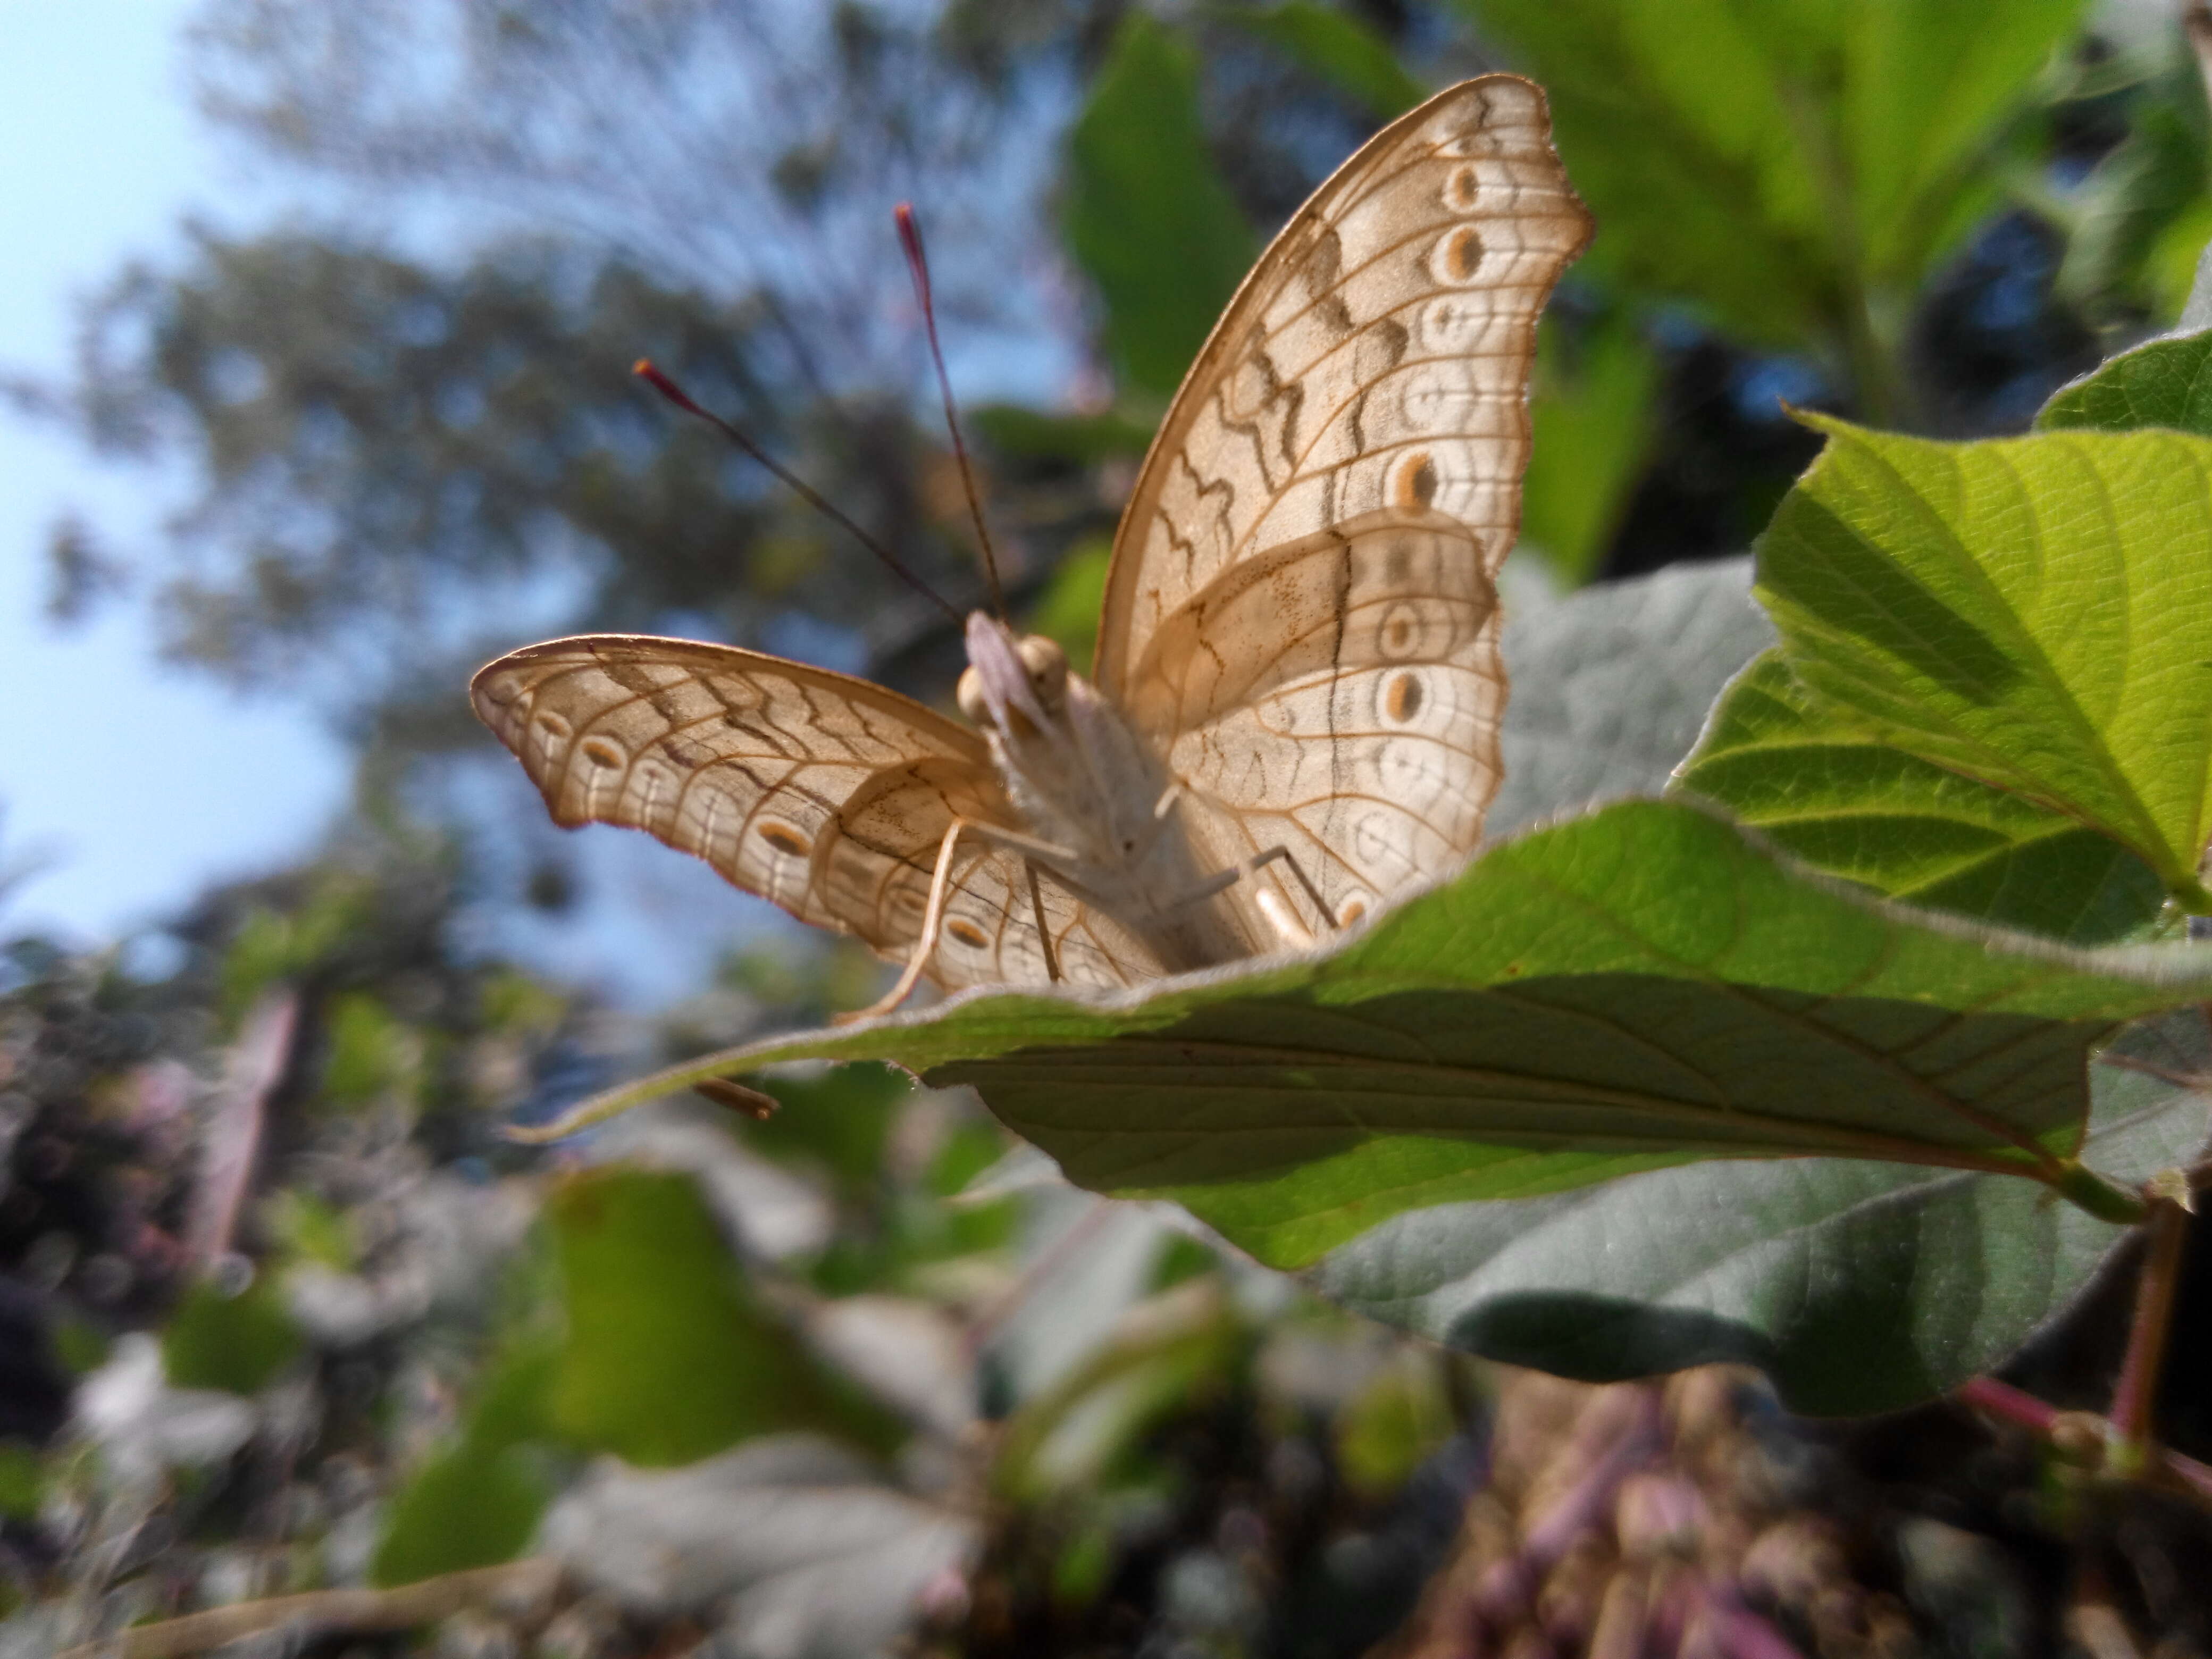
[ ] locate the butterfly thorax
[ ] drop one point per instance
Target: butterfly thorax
(1123, 831)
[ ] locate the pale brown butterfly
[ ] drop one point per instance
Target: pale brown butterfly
(1294, 711)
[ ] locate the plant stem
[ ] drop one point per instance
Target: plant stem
(2002, 1400)
(2135, 1397)
(329, 1611)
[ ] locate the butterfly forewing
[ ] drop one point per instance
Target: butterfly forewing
(824, 793)
(1300, 609)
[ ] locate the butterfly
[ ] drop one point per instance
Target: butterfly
(1293, 713)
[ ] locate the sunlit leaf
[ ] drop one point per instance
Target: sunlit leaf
(1844, 801)
(2162, 382)
(1786, 165)
(2031, 612)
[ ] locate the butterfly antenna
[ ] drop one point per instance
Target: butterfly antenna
(645, 370)
(917, 262)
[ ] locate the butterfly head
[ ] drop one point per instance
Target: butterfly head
(1011, 681)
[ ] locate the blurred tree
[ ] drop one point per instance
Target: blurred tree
(379, 441)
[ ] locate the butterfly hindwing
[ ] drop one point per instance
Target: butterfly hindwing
(1301, 608)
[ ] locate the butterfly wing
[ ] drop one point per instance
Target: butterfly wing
(1301, 607)
(824, 793)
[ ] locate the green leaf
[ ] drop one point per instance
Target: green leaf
(1147, 216)
(1799, 167)
(1340, 49)
(1082, 440)
(2164, 382)
(1842, 801)
(1639, 987)
(23, 1480)
(2032, 612)
(1068, 609)
(1612, 685)
(2148, 187)
(669, 1355)
(1858, 1287)
(1593, 421)
(479, 1502)
(235, 1343)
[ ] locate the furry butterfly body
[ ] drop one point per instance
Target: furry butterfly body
(1294, 711)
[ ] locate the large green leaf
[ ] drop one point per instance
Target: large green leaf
(1857, 1286)
(1639, 987)
(2034, 612)
(669, 1354)
(1845, 802)
(2162, 382)
(1147, 216)
(1797, 166)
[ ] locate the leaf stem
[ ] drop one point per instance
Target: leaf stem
(2098, 1194)
(2134, 1396)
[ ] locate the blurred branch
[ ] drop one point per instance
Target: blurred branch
(2197, 25)
(256, 1064)
(321, 1612)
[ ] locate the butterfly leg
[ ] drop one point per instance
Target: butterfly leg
(1278, 851)
(1293, 931)
(1044, 930)
(932, 915)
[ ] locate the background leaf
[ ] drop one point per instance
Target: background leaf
(1141, 180)
(478, 1502)
(236, 1343)
(2032, 612)
(1856, 1287)
(1593, 420)
(1832, 794)
(669, 1355)
(1800, 167)
(1340, 49)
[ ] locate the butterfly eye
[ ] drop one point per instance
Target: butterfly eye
(1048, 666)
(968, 694)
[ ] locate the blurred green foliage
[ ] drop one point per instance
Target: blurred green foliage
(1340, 48)
(1147, 214)
(669, 1355)
(479, 1502)
(237, 1342)
(1594, 420)
(1797, 170)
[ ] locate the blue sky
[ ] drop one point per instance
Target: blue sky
(137, 784)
